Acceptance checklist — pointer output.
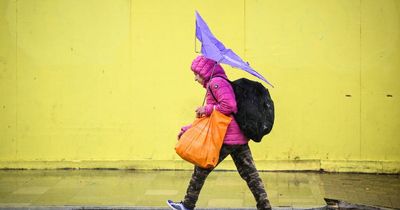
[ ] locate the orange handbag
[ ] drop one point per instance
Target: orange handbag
(202, 142)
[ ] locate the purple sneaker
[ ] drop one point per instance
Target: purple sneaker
(176, 206)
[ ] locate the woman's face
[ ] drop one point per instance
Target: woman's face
(199, 79)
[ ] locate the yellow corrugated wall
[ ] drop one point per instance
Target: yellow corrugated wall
(107, 83)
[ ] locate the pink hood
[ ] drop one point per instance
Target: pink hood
(204, 67)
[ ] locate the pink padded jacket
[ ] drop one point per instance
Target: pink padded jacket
(223, 92)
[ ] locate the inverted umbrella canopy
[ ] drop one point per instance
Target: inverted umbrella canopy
(213, 49)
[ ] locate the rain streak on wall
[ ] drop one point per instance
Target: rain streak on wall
(106, 83)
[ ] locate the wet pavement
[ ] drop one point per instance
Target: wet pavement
(130, 189)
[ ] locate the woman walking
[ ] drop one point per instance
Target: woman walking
(220, 96)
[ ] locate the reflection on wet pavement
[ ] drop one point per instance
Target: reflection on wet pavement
(222, 188)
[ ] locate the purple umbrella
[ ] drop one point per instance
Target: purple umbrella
(213, 49)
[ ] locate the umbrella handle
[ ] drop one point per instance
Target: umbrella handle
(212, 74)
(195, 44)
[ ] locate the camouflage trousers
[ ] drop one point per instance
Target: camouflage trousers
(244, 162)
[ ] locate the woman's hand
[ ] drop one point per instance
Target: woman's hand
(200, 111)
